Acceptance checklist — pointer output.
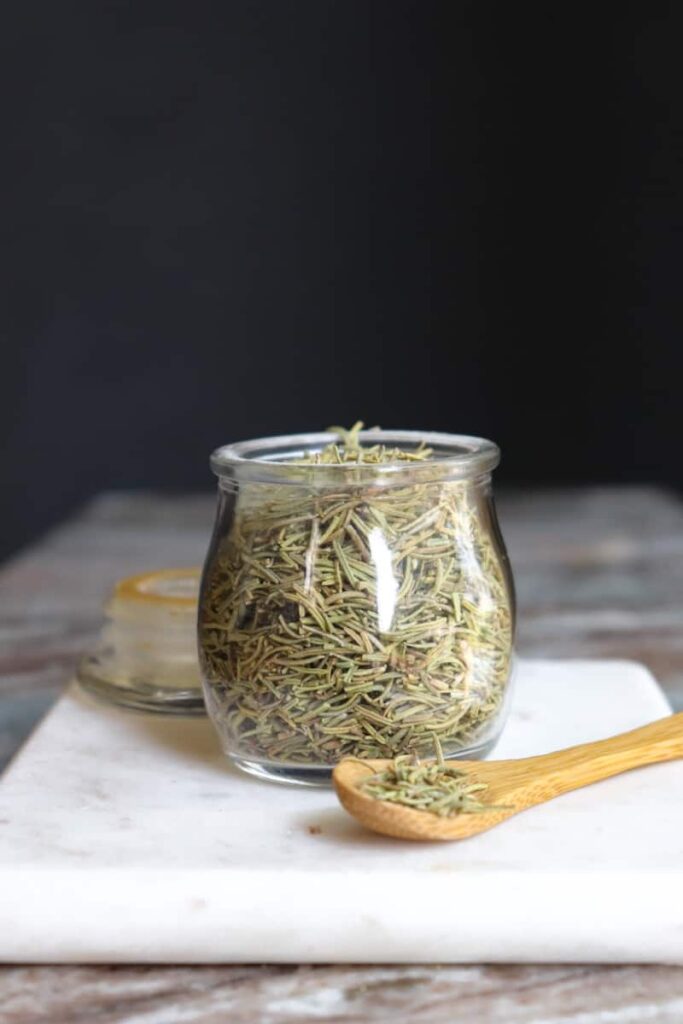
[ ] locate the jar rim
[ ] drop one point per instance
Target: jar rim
(273, 459)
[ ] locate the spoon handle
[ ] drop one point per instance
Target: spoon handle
(574, 767)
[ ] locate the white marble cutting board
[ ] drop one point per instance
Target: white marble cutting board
(127, 837)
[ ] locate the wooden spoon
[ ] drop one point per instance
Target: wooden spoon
(512, 785)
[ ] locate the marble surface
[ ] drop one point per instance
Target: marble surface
(599, 572)
(281, 994)
(127, 837)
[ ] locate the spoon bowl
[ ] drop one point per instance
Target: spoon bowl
(513, 785)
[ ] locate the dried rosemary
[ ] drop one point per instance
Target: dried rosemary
(434, 786)
(355, 620)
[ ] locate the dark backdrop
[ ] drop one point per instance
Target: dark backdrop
(229, 219)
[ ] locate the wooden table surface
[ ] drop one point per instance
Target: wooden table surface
(599, 572)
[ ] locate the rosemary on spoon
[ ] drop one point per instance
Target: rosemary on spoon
(435, 786)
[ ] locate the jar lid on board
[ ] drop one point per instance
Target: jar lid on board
(146, 654)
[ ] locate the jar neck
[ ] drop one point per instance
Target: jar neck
(429, 457)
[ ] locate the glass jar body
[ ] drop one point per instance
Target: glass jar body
(365, 618)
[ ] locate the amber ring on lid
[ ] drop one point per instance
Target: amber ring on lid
(146, 655)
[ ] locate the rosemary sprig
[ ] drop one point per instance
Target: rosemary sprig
(355, 620)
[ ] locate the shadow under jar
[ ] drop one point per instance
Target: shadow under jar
(355, 608)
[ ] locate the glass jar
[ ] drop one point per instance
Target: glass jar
(146, 655)
(355, 609)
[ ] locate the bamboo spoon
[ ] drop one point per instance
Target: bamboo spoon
(512, 786)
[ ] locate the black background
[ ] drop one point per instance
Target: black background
(230, 219)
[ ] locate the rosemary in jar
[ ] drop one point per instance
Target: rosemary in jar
(363, 615)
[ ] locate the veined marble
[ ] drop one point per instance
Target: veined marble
(128, 838)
